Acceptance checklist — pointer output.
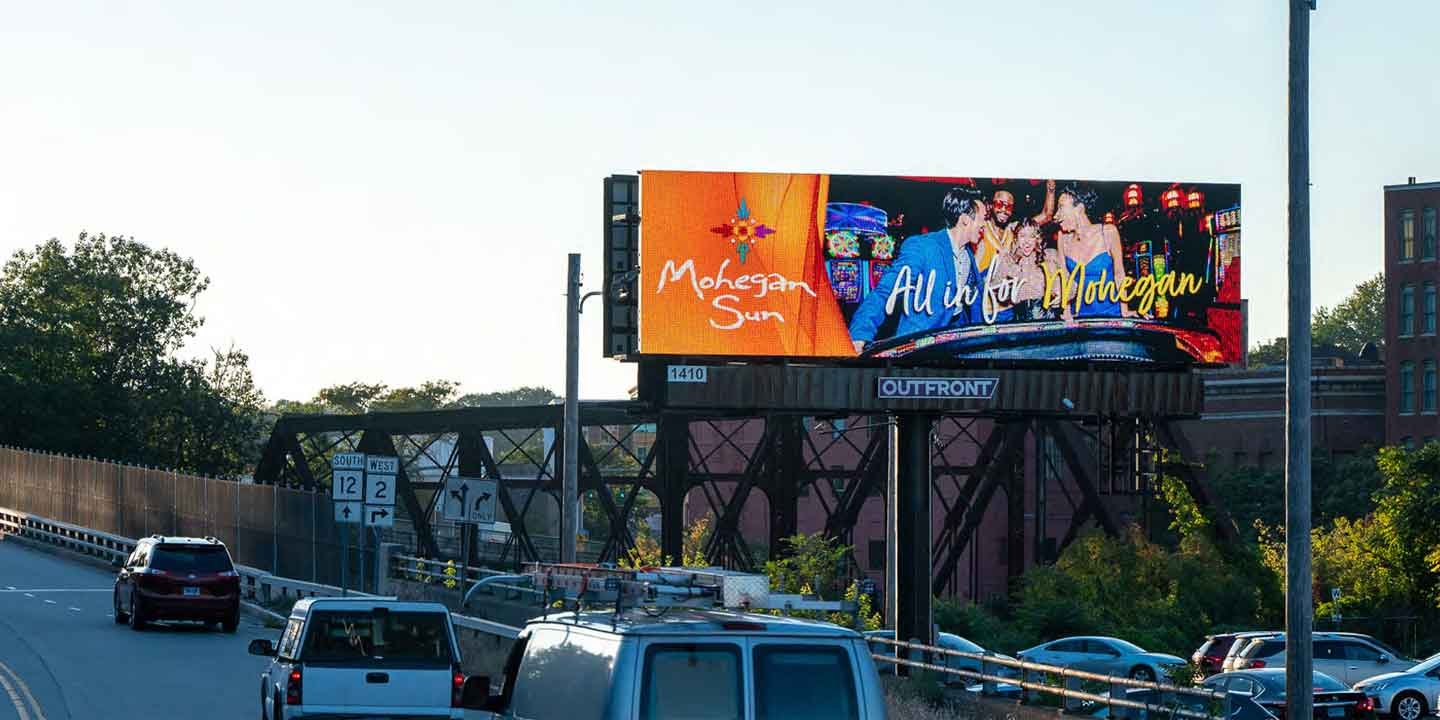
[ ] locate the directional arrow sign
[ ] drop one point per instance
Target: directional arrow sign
(379, 516)
(348, 512)
(481, 507)
(452, 502)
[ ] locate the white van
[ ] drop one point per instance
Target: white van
(688, 663)
(364, 657)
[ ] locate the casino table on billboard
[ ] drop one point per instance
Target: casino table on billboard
(938, 269)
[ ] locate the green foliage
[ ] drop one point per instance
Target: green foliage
(526, 395)
(88, 342)
(647, 553)
(816, 564)
(1355, 321)
(1343, 487)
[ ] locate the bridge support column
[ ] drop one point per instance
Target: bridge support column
(672, 482)
(910, 514)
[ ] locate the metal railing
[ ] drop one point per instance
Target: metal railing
(1217, 704)
(407, 567)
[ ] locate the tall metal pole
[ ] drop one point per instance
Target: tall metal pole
(570, 483)
(1299, 606)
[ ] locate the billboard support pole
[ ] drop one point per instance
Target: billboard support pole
(911, 516)
(570, 482)
(1299, 606)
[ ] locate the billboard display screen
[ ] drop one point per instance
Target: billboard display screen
(938, 270)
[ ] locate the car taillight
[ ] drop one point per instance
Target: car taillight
(1366, 704)
(457, 687)
(293, 688)
(1255, 664)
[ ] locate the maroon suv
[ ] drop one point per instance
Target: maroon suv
(178, 578)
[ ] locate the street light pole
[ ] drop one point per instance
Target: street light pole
(570, 482)
(1299, 605)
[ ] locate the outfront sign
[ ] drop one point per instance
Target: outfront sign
(937, 270)
(912, 388)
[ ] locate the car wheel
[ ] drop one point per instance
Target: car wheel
(1409, 706)
(120, 617)
(137, 615)
(1142, 673)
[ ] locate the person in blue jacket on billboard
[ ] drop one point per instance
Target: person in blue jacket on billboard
(934, 283)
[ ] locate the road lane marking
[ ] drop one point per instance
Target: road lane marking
(75, 608)
(38, 713)
(30, 595)
(9, 587)
(49, 602)
(27, 591)
(14, 698)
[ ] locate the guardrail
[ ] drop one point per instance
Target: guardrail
(1217, 704)
(407, 567)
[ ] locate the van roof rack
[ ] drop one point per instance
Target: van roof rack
(662, 588)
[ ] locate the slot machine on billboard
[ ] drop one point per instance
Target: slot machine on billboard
(858, 248)
(1225, 225)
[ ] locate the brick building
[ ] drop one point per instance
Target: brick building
(1411, 350)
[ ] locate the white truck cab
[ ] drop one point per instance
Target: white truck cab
(643, 664)
(363, 657)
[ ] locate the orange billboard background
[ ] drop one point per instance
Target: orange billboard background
(732, 264)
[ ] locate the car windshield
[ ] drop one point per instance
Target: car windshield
(959, 644)
(408, 637)
(1125, 648)
(1426, 665)
(1275, 683)
(187, 559)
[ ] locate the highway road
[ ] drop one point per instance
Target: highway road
(62, 656)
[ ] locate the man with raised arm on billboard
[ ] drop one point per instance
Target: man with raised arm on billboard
(934, 283)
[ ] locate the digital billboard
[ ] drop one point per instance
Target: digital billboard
(938, 270)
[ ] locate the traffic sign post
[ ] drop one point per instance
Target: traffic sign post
(347, 495)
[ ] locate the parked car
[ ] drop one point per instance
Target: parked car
(1333, 700)
(1232, 656)
(1210, 656)
(348, 657)
(1347, 657)
(949, 641)
(1111, 656)
(177, 578)
(687, 663)
(1407, 695)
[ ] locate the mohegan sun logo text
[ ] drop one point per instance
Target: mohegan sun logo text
(743, 231)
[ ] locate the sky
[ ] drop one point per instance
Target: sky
(387, 191)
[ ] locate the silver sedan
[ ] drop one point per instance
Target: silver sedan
(1406, 695)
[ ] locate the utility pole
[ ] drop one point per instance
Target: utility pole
(1299, 606)
(570, 482)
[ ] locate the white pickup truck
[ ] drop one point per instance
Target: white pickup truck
(356, 658)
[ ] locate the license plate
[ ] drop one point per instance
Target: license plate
(1335, 712)
(192, 592)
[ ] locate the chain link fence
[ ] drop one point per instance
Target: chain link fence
(290, 533)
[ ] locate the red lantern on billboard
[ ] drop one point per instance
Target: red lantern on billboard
(1109, 218)
(1133, 196)
(1171, 199)
(1195, 200)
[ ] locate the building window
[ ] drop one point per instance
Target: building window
(1407, 442)
(1427, 234)
(1407, 388)
(877, 555)
(1407, 235)
(1407, 311)
(1429, 309)
(1427, 385)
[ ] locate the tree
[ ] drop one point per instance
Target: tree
(525, 395)
(1357, 320)
(88, 366)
